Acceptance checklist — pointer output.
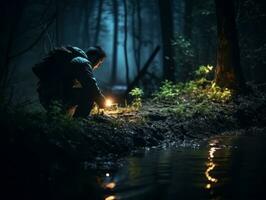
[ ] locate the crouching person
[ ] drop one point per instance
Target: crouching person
(66, 76)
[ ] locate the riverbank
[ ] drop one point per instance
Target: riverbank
(104, 138)
(44, 148)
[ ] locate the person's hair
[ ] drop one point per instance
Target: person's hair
(95, 54)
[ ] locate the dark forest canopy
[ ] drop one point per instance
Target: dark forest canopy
(129, 31)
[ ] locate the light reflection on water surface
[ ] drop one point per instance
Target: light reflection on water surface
(216, 170)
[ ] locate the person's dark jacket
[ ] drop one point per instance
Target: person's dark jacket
(80, 68)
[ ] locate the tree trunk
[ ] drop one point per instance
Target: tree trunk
(125, 42)
(228, 70)
(11, 31)
(139, 36)
(187, 66)
(98, 25)
(134, 34)
(57, 23)
(167, 37)
(115, 39)
(152, 28)
(188, 19)
(86, 26)
(143, 70)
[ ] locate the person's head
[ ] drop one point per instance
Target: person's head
(96, 55)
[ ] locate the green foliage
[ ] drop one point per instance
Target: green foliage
(137, 94)
(53, 132)
(55, 109)
(184, 46)
(197, 96)
(204, 71)
(185, 57)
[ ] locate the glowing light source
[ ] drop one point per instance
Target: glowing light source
(107, 174)
(108, 102)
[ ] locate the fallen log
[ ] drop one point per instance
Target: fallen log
(142, 72)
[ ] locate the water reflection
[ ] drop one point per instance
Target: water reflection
(225, 168)
(110, 185)
(210, 164)
(111, 198)
(134, 170)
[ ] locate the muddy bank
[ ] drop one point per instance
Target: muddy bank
(109, 137)
(41, 150)
(101, 139)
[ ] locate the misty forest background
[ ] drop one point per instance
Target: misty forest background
(129, 31)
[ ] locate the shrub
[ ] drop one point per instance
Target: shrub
(196, 96)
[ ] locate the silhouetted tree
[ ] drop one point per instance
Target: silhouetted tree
(125, 41)
(139, 34)
(136, 32)
(86, 26)
(228, 70)
(57, 23)
(188, 19)
(98, 23)
(10, 24)
(114, 64)
(167, 37)
(185, 67)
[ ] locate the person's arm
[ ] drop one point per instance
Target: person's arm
(88, 81)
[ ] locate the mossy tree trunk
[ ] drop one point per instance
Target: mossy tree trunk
(228, 70)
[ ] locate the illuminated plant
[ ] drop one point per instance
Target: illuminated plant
(204, 71)
(195, 96)
(136, 94)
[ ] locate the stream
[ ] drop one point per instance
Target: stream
(226, 167)
(222, 168)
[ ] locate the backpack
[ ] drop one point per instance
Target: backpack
(50, 72)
